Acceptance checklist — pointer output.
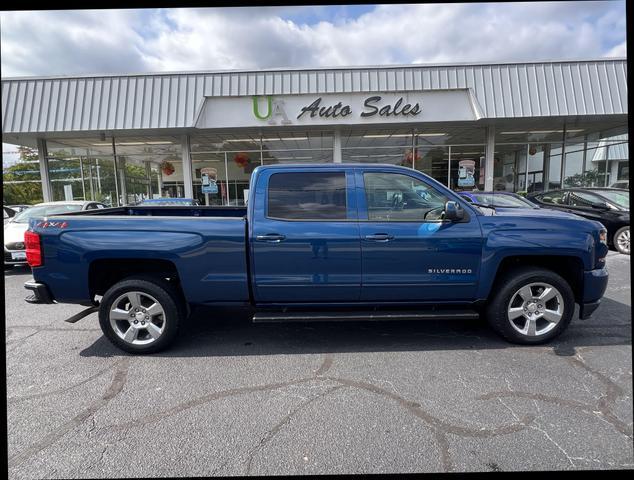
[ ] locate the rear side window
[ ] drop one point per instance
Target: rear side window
(556, 198)
(307, 196)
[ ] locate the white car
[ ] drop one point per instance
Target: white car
(14, 252)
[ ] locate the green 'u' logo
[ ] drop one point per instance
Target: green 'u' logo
(256, 110)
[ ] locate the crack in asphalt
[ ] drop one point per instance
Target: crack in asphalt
(58, 391)
(604, 406)
(283, 422)
(116, 386)
(440, 428)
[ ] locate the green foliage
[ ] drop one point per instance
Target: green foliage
(23, 171)
(589, 178)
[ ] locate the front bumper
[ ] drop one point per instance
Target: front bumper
(41, 293)
(595, 282)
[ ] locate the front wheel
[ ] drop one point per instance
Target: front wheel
(141, 315)
(532, 306)
(622, 240)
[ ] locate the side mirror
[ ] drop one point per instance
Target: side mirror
(453, 211)
(600, 206)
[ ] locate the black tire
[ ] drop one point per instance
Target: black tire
(165, 294)
(505, 289)
(622, 248)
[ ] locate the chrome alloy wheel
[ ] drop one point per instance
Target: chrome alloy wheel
(137, 318)
(535, 309)
(623, 241)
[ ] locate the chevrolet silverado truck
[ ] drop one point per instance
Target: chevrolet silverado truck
(322, 242)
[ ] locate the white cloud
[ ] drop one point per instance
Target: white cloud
(619, 50)
(71, 42)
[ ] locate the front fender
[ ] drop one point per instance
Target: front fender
(502, 244)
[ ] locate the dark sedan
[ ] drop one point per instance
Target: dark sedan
(497, 199)
(610, 206)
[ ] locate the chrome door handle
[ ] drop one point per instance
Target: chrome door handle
(270, 237)
(380, 237)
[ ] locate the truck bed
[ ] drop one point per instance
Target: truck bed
(206, 246)
(167, 211)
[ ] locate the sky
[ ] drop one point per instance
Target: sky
(71, 42)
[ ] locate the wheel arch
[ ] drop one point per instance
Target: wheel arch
(570, 268)
(104, 273)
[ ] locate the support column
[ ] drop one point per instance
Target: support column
(42, 153)
(336, 147)
(488, 156)
(187, 167)
(563, 158)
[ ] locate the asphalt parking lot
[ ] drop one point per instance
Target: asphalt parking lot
(234, 398)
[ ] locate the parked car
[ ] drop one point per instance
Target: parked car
(14, 249)
(610, 206)
(625, 184)
(322, 242)
(498, 199)
(19, 208)
(8, 213)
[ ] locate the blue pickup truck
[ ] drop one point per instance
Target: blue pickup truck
(322, 242)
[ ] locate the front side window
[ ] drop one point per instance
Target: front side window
(307, 196)
(622, 199)
(394, 197)
(582, 199)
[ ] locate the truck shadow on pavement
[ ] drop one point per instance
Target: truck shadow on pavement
(227, 332)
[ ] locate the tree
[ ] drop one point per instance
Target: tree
(589, 178)
(27, 172)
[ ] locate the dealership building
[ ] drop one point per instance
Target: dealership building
(510, 126)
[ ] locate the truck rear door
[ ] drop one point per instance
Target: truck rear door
(305, 236)
(408, 252)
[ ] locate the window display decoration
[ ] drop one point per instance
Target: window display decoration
(167, 168)
(241, 159)
(408, 156)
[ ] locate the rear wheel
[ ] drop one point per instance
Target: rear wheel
(141, 314)
(532, 306)
(621, 240)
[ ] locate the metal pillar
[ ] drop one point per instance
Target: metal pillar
(528, 147)
(148, 176)
(336, 147)
(187, 167)
(116, 173)
(488, 158)
(42, 153)
(546, 168)
(449, 169)
(563, 159)
(226, 178)
(81, 170)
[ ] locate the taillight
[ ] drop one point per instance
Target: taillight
(33, 248)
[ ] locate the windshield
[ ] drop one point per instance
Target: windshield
(506, 201)
(44, 211)
(622, 199)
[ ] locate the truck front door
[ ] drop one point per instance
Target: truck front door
(305, 237)
(408, 252)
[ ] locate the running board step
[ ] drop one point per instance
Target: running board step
(372, 315)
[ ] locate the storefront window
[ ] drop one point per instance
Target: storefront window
(21, 182)
(377, 146)
(467, 167)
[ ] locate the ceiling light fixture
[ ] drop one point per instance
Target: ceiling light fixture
(283, 139)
